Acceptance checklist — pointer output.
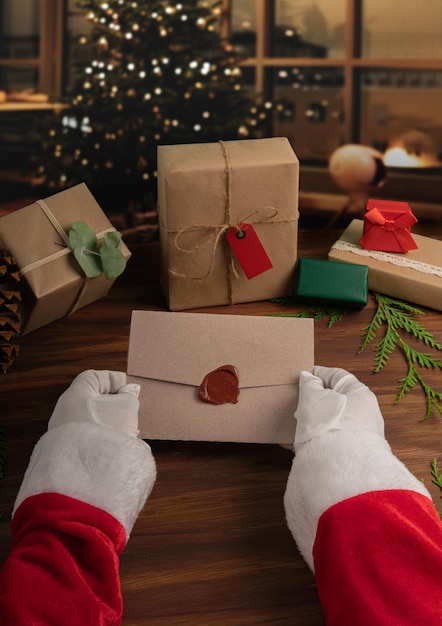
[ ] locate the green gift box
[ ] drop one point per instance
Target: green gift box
(332, 282)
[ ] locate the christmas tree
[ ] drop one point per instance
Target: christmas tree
(156, 73)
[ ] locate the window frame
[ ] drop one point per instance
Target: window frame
(49, 62)
(351, 62)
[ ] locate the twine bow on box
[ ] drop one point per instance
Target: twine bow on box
(390, 234)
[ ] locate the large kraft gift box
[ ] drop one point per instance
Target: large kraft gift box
(53, 283)
(172, 355)
(414, 276)
(204, 190)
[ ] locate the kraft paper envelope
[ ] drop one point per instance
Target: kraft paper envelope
(170, 353)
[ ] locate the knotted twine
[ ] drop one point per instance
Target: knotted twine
(217, 232)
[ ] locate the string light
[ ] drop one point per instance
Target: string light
(129, 72)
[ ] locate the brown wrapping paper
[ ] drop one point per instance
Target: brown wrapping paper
(414, 276)
(58, 286)
(171, 353)
(205, 188)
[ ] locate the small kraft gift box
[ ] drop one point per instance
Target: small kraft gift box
(216, 377)
(228, 219)
(414, 276)
(53, 284)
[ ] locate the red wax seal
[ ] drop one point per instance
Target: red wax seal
(220, 386)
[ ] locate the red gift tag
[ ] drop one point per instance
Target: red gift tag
(248, 249)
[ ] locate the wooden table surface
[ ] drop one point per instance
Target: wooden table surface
(211, 546)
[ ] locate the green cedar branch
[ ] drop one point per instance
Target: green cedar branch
(398, 318)
(317, 311)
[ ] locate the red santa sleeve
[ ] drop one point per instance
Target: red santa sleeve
(63, 566)
(80, 496)
(378, 560)
(368, 529)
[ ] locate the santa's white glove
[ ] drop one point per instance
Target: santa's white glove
(99, 397)
(333, 399)
(91, 451)
(340, 451)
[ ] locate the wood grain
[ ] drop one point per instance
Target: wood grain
(211, 547)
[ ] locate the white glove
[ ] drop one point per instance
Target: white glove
(91, 451)
(340, 452)
(334, 399)
(100, 397)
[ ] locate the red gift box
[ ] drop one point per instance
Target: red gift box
(387, 226)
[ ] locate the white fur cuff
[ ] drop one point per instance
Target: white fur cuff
(336, 466)
(96, 465)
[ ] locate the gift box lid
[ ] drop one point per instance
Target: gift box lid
(253, 190)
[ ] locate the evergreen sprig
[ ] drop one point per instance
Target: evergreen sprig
(316, 311)
(398, 318)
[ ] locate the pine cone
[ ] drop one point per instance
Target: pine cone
(10, 298)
